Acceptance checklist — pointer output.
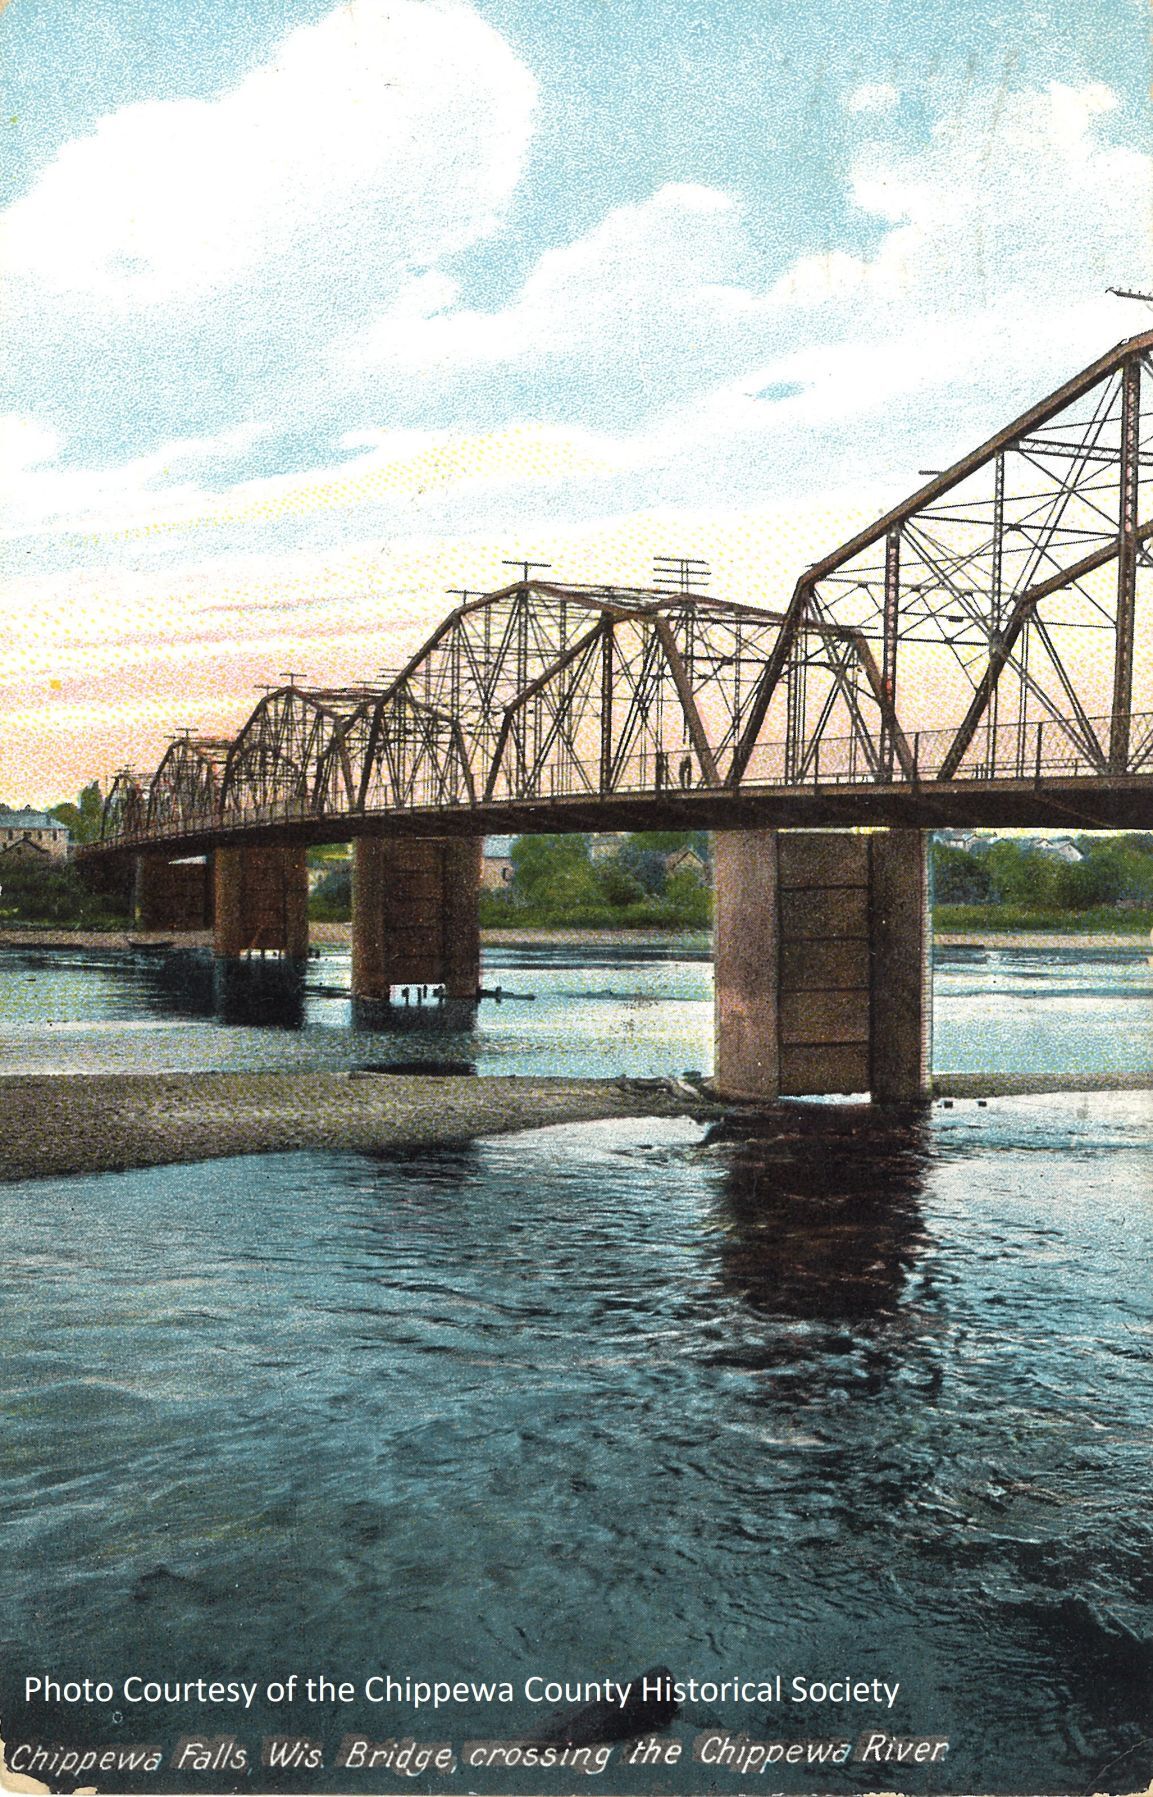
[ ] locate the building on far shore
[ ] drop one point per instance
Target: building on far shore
(496, 867)
(1053, 848)
(978, 842)
(687, 861)
(28, 835)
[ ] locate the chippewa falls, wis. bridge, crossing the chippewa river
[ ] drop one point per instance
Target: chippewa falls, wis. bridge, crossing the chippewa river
(981, 655)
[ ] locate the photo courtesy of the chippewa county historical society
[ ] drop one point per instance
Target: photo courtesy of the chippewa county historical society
(576, 898)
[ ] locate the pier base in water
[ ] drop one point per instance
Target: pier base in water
(415, 919)
(447, 1016)
(823, 980)
(261, 896)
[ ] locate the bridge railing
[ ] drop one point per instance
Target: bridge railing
(1037, 749)
(1032, 750)
(1025, 749)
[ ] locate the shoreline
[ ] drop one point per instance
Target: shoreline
(53, 1124)
(1138, 939)
(338, 935)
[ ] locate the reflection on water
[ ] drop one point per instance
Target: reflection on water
(833, 1398)
(821, 1209)
(580, 1011)
(260, 991)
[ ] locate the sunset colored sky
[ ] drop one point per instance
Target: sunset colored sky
(313, 312)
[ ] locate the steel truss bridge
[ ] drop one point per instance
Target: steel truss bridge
(983, 654)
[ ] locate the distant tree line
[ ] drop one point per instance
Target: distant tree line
(330, 900)
(557, 882)
(1114, 870)
(82, 819)
(53, 892)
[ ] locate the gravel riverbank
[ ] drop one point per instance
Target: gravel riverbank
(52, 1124)
(67, 1123)
(339, 935)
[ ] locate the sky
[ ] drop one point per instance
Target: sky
(313, 313)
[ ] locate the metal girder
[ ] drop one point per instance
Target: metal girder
(683, 684)
(973, 633)
(291, 757)
(185, 789)
(124, 814)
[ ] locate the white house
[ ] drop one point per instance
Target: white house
(496, 868)
(32, 835)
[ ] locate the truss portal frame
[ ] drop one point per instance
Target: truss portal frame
(184, 792)
(1010, 592)
(124, 817)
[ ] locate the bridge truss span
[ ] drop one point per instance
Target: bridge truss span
(1013, 593)
(184, 793)
(411, 754)
(981, 653)
(291, 759)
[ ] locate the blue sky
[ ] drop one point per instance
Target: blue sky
(311, 312)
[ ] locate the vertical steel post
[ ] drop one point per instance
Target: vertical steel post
(607, 707)
(890, 625)
(1127, 522)
(996, 586)
(795, 716)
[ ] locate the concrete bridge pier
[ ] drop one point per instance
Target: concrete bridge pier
(415, 925)
(260, 934)
(172, 896)
(823, 976)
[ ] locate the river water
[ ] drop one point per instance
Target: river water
(840, 1398)
(577, 1011)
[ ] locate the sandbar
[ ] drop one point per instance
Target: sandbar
(92, 1123)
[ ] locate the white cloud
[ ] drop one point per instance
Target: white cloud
(641, 265)
(1021, 196)
(659, 365)
(392, 129)
(41, 497)
(879, 96)
(686, 369)
(25, 443)
(1018, 199)
(659, 359)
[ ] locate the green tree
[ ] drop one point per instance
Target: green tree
(549, 869)
(49, 891)
(1135, 866)
(621, 887)
(555, 881)
(1021, 877)
(1079, 885)
(83, 818)
(667, 842)
(644, 863)
(688, 901)
(959, 877)
(331, 898)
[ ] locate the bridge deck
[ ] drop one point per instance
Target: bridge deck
(1090, 802)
